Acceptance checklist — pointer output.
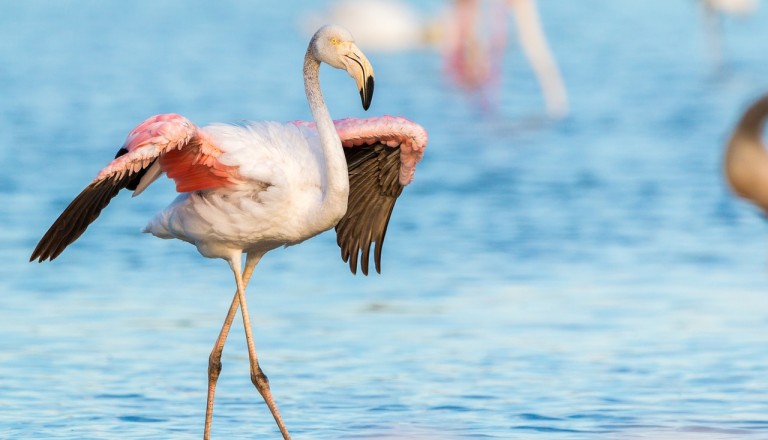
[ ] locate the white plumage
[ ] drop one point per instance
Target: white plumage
(276, 202)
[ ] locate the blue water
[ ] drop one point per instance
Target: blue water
(590, 278)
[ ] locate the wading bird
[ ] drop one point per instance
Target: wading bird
(746, 158)
(475, 42)
(250, 188)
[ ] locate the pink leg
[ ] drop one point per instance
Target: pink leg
(214, 360)
(258, 377)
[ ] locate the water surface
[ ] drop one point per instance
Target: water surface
(590, 278)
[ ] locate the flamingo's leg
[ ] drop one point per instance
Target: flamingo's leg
(258, 377)
(214, 360)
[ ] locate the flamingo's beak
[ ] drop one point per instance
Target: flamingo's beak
(359, 68)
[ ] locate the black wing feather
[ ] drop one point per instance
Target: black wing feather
(81, 212)
(373, 190)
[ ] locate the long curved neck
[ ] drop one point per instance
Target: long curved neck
(336, 191)
(752, 123)
(746, 158)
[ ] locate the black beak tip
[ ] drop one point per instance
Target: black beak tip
(366, 93)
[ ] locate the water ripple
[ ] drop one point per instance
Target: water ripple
(590, 278)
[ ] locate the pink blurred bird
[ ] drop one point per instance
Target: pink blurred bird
(250, 188)
(475, 42)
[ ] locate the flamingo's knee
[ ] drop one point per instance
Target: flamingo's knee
(259, 379)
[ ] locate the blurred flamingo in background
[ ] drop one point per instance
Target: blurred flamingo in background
(472, 39)
(474, 60)
(732, 7)
(746, 158)
(714, 12)
(248, 189)
(379, 25)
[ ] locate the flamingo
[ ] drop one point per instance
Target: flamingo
(381, 25)
(475, 64)
(250, 188)
(746, 158)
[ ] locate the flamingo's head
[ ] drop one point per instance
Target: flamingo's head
(335, 46)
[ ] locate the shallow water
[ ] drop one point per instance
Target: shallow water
(581, 279)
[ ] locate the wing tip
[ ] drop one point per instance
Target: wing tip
(352, 259)
(77, 216)
(42, 257)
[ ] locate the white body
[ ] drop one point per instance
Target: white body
(276, 204)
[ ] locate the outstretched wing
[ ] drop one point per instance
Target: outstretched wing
(381, 153)
(164, 143)
(373, 191)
